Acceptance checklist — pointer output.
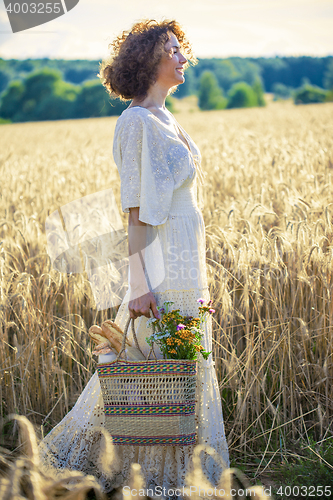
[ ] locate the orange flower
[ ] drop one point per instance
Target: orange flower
(198, 348)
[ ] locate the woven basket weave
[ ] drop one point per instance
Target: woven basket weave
(150, 402)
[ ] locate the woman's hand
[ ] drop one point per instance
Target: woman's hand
(141, 305)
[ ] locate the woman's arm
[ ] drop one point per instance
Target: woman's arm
(141, 299)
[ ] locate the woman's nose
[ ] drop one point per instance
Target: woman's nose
(183, 59)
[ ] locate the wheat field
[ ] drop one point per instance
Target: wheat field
(268, 212)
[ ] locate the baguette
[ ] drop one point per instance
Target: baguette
(116, 336)
(104, 348)
(96, 334)
(112, 338)
(113, 333)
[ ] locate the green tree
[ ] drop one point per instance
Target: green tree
(11, 100)
(329, 96)
(78, 75)
(93, 100)
(328, 76)
(210, 95)
(281, 91)
(40, 84)
(259, 92)
(241, 95)
(42, 95)
(4, 80)
(226, 74)
(309, 94)
(47, 97)
(59, 104)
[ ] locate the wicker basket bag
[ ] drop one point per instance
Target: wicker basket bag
(149, 402)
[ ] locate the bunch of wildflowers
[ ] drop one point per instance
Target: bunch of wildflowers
(178, 336)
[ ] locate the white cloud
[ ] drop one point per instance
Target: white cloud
(215, 27)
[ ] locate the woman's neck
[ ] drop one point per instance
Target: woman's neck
(155, 98)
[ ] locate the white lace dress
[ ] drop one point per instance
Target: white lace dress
(158, 174)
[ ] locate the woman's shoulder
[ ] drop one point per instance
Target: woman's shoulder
(136, 118)
(137, 113)
(129, 114)
(132, 116)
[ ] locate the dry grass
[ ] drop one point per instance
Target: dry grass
(268, 213)
(21, 478)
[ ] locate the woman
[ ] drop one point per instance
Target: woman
(158, 165)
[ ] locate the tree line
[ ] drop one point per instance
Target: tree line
(50, 89)
(43, 95)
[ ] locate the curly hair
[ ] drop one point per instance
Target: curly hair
(133, 64)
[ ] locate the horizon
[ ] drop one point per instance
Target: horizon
(199, 58)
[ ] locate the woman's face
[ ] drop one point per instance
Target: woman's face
(170, 70)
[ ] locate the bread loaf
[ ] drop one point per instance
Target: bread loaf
(97, 335)
(109, 338)
(114, 334)
(104, 348)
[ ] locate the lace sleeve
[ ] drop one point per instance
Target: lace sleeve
(141, 159)
(127, 151)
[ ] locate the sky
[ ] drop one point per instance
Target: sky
(216, 28)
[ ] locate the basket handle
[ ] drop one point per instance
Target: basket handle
(122, 350)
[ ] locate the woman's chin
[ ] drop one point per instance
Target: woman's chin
(180, 79)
